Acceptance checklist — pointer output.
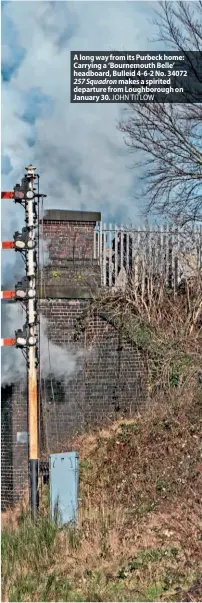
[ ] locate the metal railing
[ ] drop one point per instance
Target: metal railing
(146, 251)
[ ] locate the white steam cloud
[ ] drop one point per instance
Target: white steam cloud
(55, 360)
(44, 251)
(77, 149)
(61, 362)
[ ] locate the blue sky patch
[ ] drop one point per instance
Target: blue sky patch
(12, 52)
(35, 103)
(6, 166)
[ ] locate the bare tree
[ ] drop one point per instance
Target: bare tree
(170, 135)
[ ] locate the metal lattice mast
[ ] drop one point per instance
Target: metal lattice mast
(25, 291)
(31, 268)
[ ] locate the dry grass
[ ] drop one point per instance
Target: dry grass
(139, 536)
(164, 323)
(12, 516)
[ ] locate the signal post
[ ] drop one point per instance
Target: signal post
(25, 291)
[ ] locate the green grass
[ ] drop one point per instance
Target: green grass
(139, 530)
(35, 567)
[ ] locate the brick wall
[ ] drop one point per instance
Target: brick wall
(71, 235)
(14, 447)
(6, 446)
(109, 375)
(72, 271)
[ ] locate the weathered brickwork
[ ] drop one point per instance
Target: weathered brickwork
(6, 446)
(109, 374)
(73, 281)
(70, 234)
(14, 453)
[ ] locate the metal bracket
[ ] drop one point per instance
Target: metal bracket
(44, 471)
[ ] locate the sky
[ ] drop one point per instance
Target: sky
(77, 149)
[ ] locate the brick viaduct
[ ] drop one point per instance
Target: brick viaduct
(109, 379)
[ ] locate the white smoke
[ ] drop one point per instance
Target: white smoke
(13, 365)
(77, 148)
(44, 250)
(61, 362)
(55, 360)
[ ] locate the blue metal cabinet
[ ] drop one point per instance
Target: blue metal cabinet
(64, 478)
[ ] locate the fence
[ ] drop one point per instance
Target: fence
(150, 251)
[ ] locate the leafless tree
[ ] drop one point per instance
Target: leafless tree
(169, 136)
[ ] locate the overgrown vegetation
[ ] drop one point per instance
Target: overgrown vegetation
(139, 534)
(164, 324)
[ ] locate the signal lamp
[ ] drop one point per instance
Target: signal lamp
(22, 290)
(21, 337)
(22, 240)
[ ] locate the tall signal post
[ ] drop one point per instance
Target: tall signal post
(25, 291)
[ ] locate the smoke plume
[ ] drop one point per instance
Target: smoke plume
(61, 362)
(55, 360)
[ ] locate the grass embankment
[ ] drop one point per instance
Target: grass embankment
(139, 536)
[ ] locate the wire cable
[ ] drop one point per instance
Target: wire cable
(42, 379)
(38, 316)
(43, 283)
